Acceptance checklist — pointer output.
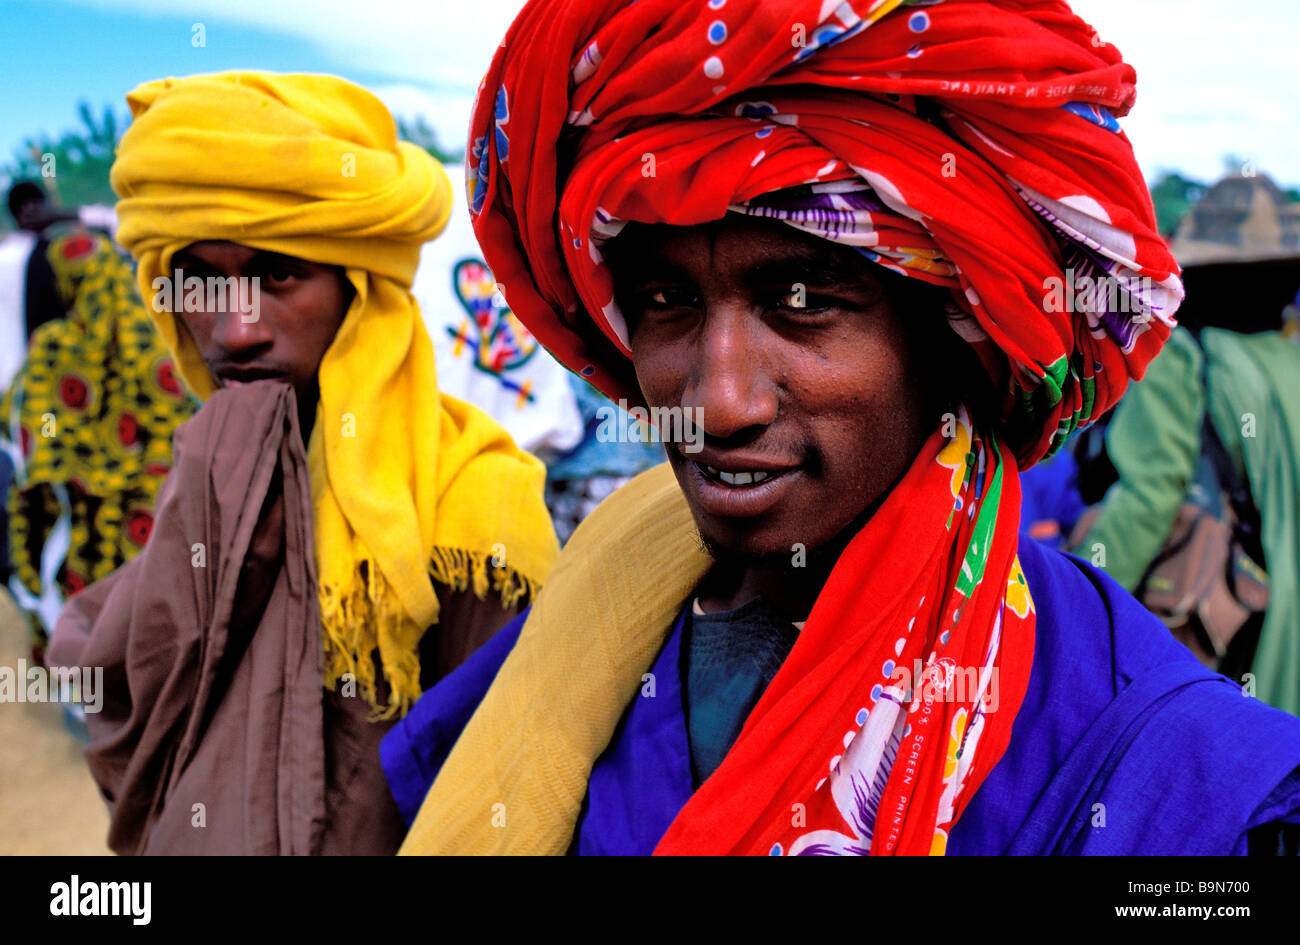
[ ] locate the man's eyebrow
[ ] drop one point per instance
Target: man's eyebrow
(641, 265)
(186, 260)
(261, 260)
(268, 257)
(815, 269)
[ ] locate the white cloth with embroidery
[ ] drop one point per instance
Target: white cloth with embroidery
(484, 354)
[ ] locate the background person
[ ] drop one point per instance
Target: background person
(89, 420)
(331, 519)
(1240, 246)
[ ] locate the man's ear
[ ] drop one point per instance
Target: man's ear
(960, 375)
(951, 369)
(348, 291)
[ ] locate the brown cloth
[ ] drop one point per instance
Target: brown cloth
(216, 735)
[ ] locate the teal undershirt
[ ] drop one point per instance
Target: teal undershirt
(729, 658)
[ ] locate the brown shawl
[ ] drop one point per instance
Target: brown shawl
(211, 648)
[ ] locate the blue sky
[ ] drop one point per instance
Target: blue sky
(1213, 78)
(54, 54)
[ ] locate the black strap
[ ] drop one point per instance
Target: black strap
(41, 296)
(1096, 472)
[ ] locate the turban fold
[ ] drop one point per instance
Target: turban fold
(409, 486)
(969, 144)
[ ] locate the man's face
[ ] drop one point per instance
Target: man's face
(300, 306)
(804, 378)
(32, 215)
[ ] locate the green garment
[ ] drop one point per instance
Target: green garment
(730, 658)
(1154, 441)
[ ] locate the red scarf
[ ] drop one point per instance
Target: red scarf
(933, 577)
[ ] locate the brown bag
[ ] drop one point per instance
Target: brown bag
(1203, 584)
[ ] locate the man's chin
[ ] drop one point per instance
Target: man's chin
(775, 547)
(751, 552)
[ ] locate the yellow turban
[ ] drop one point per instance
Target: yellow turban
(409, 486)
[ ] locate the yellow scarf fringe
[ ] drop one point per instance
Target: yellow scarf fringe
(365, 619)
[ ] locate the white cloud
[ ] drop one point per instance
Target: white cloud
(1213, 78)
(436, 52)
(448, 113)
(439, 44)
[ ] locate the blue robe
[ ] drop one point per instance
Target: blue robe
(1124, 744)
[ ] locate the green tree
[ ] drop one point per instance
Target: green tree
(422, 135)
(1173, 194)
(73, 167)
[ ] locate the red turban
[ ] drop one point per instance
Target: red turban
(969, 144)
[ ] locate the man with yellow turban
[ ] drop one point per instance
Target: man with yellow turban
(330, 517)
(818, 242)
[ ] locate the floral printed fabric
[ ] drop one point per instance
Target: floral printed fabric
(92, 411)
(971, 144)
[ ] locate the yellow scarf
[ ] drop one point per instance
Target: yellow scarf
(515, 781)
(410, 486)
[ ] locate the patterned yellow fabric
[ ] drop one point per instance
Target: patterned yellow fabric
(93, 409)
(409, 486)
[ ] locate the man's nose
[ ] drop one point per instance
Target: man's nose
(730, 383)
(238, 325)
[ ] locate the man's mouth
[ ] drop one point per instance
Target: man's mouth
(238, 377)
(738, 487)
(738, 478)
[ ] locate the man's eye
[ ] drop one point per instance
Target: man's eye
(802, 301)
(279, 276)
(667, 298)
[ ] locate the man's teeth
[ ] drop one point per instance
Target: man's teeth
(738, 479)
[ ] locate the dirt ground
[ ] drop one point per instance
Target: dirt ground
(48, 803)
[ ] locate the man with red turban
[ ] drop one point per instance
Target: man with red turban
(861, 262)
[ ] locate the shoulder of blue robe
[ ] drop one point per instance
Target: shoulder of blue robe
(643, 779)
(637, 787)
(414, 750)
(1125, 744)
